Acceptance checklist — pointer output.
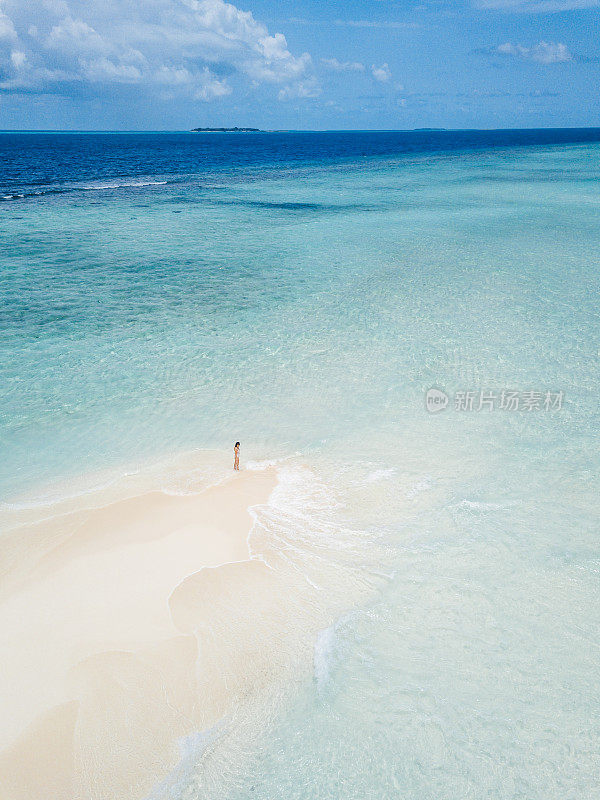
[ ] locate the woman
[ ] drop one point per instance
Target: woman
(236, 456)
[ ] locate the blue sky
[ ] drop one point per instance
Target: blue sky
(368, 64)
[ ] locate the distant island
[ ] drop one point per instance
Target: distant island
(226, 130)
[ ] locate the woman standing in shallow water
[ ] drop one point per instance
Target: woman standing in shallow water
(236, 456)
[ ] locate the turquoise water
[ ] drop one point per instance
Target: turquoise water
(305, 307)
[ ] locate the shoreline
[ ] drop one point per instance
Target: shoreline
(101, 621)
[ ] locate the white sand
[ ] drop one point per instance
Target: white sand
(100, 609)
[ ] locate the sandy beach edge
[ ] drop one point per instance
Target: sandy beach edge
(101, 617)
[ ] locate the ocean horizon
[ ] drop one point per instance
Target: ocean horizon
(304, 130)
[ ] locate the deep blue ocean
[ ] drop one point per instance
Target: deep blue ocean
(40, 162)
(164, 294)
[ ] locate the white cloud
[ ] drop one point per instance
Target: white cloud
(211, 87)
(7, 29)
(75, 35)
(103, 69)
(195, 47)
(542, 53)
(343, 66)
(382, 74)
(305, 89)
(536, 6)
(18, 58)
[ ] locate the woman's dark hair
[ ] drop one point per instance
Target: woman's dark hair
(237, 444)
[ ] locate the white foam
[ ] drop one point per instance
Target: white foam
(303, 525)
(257, 466)
(474, 505)
(265, 463)
(380, 475)
(122, 185)
(330, 647)
(191, 748)
(324, 656)
(424, 484)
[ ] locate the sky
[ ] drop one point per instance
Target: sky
(298, 64)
